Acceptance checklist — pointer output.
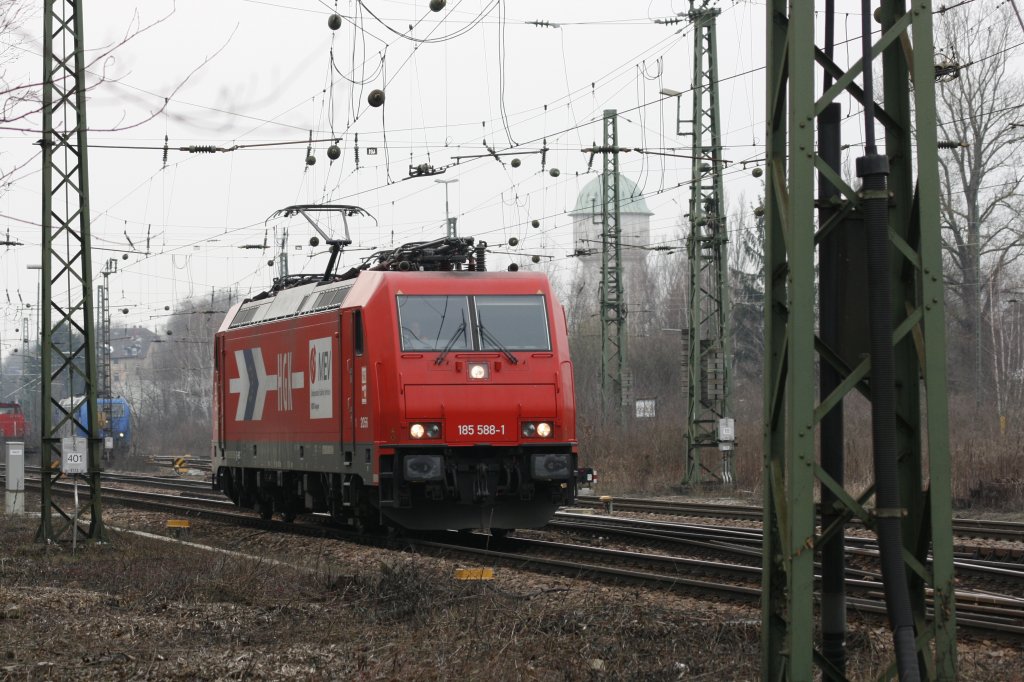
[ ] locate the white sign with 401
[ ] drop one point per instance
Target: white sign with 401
(75, 455)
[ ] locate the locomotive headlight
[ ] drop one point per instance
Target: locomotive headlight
(479, 371)
(120, 435)
(536, 430)
(424, 467)
(551, 467)
(421, 431)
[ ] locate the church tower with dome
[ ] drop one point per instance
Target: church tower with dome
(634, 216)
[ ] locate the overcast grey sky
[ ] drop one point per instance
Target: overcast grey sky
(484, 74)
(255, 72)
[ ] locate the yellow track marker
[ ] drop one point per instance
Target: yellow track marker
(474, 574)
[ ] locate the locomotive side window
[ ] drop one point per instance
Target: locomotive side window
(434, 322)
(357, 331)
(512, 322)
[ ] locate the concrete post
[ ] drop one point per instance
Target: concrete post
(15, 498)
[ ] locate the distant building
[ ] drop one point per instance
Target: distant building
(634, 216)
(129, 353)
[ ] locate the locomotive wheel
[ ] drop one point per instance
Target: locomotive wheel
(366, 522)
(228, 485)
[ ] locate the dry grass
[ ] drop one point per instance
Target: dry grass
(142, 609)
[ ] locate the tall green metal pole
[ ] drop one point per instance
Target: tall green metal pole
(613, 295)
(106, 380)
(69, 335)
(708, 343)
(794, 352)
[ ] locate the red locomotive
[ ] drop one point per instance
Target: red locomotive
(408, 392)
(12, 422)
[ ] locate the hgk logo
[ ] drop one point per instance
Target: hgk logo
(253, 383)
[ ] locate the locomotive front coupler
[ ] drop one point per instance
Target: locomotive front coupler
(480, 488)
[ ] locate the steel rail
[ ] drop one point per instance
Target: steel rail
(982, 528)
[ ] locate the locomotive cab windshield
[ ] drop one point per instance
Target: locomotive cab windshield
(504, 323)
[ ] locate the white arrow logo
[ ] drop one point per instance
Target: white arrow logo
(253, 383)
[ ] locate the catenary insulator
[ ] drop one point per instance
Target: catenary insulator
(314, 241)
(375, 98)
(554, 172)
(757, 172)
(535, 258)
(124, 311)
(310, 160)
(512, 241)
(516, 163)
(334, 22)
(124, 256)
(437, 5)
(481, 256)
(333, 152)
(535, 222)
(270, 262)
(512, 267)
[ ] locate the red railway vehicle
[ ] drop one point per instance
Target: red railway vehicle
(405, 393)
(12, 422)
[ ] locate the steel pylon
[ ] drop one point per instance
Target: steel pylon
(106, 349)
(68, 347)
(706, 340)
(613, 295)
(795, 352)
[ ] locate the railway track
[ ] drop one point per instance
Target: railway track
(738, 544)
(739, 581)
(968, 528)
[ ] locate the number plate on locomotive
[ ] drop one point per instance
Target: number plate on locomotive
(482, 432)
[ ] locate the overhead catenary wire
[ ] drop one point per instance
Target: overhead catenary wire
(374, 187)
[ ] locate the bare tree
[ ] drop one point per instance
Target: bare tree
(173, 396)
(1006, 332)
(746, 277)
(979, 101)
(21, 102)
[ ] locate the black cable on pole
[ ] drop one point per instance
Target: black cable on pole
(873, 169)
